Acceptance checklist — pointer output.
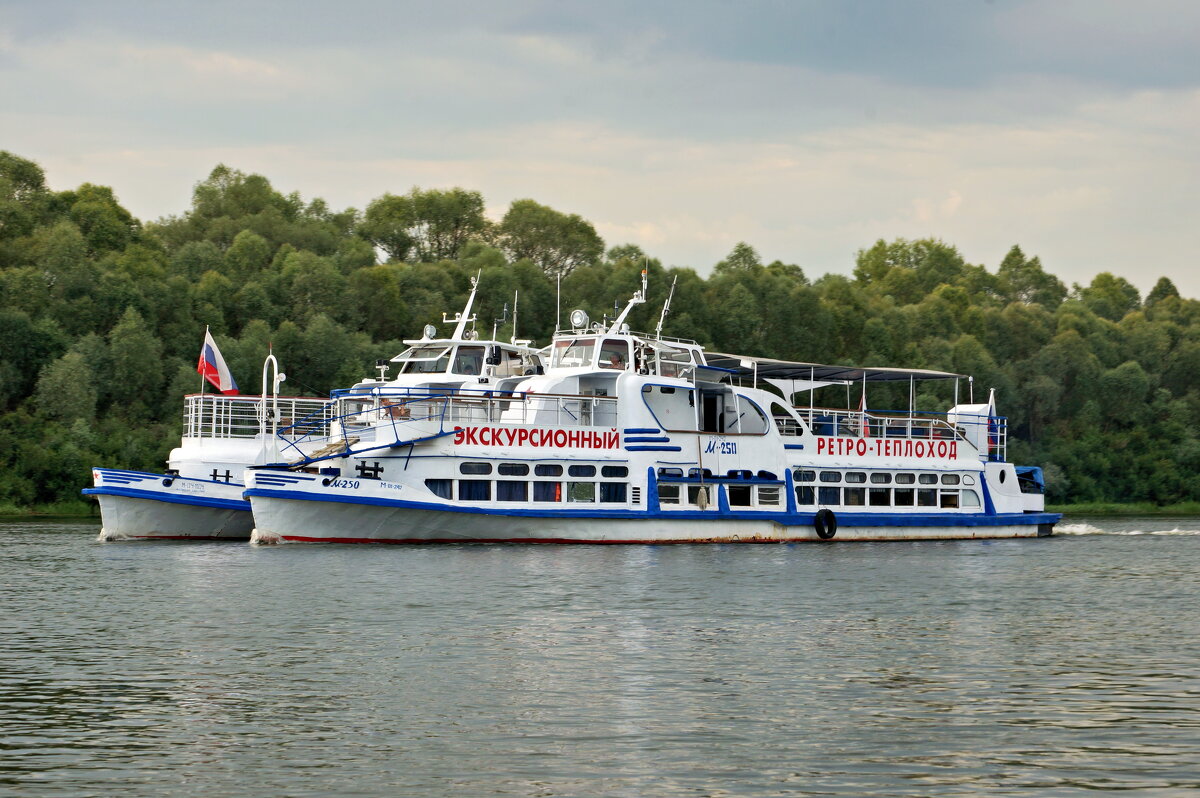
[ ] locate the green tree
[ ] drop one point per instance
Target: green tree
(556, 242)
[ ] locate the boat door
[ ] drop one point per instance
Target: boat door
(712, 411)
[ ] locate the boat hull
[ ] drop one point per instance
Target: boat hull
(136, 505)
(305, 519)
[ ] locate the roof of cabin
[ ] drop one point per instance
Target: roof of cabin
(785, 369)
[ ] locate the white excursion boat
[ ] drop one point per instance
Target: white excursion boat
(199, 496)
(635, 438)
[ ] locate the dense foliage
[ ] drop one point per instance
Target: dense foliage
(101, 318)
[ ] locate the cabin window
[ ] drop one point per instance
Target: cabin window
(927, 479)
(856, 476)
(855, 497)
(670, 472)
(581, 491)
(830, 495)
(968, 479)
(831, 476)
(474, 490)
(905, 479)
(512, 491)
(927, 497)
(581, 471)
(694, 495)
(513, 469)
(571, 352)
(547, 491)
(547, 470)
(751, 419)
(970, 498)
(442, 488)
(950, 479)
(612, 492)
(614, 354)
(880, 478)
(880, 497)
(739, 495)
(806, 495)
(475, 468)
(614, 471)
(668, 494)
(469, 360)
(949, 499)
(768, 495)
(903, 497)
(425, 360)
(805, 476)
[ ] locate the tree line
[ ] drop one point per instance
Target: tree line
(101, 318)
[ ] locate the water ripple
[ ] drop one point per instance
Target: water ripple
(1049, 667)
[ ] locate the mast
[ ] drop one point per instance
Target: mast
(666, 309)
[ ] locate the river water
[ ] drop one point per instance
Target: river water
(1058, 666)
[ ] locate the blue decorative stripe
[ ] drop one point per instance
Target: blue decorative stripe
(793, 446)
(641, 431)
(663, 439)
(652, 449)
(845, 520)
(170, 498)
(112, 476)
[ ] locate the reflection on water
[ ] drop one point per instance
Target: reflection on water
(1051, 667)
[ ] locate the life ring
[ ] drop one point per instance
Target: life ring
(825, 523)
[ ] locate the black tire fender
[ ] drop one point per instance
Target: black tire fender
(825, 523)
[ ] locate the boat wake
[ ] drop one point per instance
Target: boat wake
(1088, 529)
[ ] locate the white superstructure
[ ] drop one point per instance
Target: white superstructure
(628, 437)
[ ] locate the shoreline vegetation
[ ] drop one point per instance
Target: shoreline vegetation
(102, 316)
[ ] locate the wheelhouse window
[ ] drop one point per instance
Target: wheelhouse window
(614, 354)
(469, 360)
(572, 352)
(424, 360)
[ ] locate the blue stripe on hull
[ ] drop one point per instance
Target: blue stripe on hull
(168, 498)
(785, 519)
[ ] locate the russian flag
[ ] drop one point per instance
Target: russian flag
(213, 367)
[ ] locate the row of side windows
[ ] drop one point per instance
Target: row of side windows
(826, 495)
(538, 490)
(801, 475)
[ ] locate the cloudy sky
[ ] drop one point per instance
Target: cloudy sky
(808, 129)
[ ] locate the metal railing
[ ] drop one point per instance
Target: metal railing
(990, 433)
(217, 416)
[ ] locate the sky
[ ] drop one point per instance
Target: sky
(807, 129)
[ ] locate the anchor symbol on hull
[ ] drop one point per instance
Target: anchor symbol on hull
(369, 471)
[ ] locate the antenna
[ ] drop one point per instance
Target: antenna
(666, 309)
(516, 296)
(497, 322)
